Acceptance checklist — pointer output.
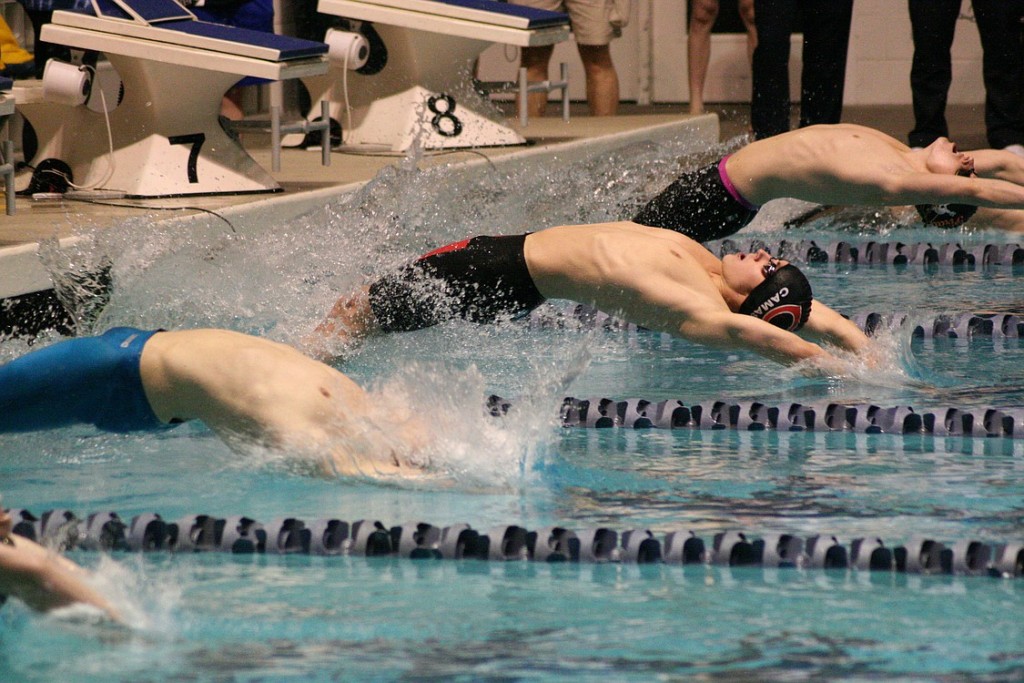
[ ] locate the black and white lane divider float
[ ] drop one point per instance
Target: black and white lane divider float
(241, 535)
(952, 325)
(817, 416)
(882, 253)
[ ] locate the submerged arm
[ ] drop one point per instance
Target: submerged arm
(1010, 220)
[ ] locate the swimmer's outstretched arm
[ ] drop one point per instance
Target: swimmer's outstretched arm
(727, 330)
(999, 164)
(826, 325)
(932, 188)
(40, 578)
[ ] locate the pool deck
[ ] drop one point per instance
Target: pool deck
(304, 180)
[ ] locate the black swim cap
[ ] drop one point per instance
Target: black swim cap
(947, 215)
(783, 299)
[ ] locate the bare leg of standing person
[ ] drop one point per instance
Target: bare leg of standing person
(747, 15)
(536, 59)
(602, 80)
(698, 49)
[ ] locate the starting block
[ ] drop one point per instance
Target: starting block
(175, 69)
(404, 95)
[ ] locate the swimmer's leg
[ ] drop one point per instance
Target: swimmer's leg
(348, 323)
(479, 279)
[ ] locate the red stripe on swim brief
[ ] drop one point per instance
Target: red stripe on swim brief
(454, 246)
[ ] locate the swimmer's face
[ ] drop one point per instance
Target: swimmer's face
(945, 159)
(742, 271)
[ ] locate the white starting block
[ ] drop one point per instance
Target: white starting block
(175, 69)
(430, 45)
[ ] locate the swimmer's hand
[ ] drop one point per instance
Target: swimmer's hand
(836, 365)
(825, 365)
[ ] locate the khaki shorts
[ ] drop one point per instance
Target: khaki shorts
(594, 22)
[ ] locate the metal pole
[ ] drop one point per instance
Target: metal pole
(275, 137)
(325, 135)
(524, 112)
(565, 92)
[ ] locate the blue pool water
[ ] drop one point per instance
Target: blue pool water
(219, 617)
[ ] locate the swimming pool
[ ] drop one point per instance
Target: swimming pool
(230, 617)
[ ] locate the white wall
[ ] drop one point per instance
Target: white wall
(651, 58)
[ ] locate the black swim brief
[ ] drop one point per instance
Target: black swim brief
(479, 279)
(701, 204)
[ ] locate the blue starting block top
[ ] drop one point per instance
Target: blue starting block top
(170, 16)
(287, 47)
(154, 11)
(535, 18)
(6, 83)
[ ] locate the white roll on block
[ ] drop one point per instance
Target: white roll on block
(352, 50)
(65, 83)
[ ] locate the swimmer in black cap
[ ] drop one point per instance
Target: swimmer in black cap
(659, 279)
(842, 164)
(783, 299)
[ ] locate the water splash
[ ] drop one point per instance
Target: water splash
(276, 279)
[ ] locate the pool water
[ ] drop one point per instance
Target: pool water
(215, 617)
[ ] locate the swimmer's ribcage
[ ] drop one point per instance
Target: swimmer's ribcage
(242, 535)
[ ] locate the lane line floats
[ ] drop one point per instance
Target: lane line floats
(240, 535)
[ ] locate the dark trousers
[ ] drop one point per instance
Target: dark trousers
(933, 24)
(999, 25)
(826, 39)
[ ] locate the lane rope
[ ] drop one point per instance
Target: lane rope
(240, 535)
(821, 416)
(951, 325)
(882, 253)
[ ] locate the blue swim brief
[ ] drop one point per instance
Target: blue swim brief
(93, 380)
